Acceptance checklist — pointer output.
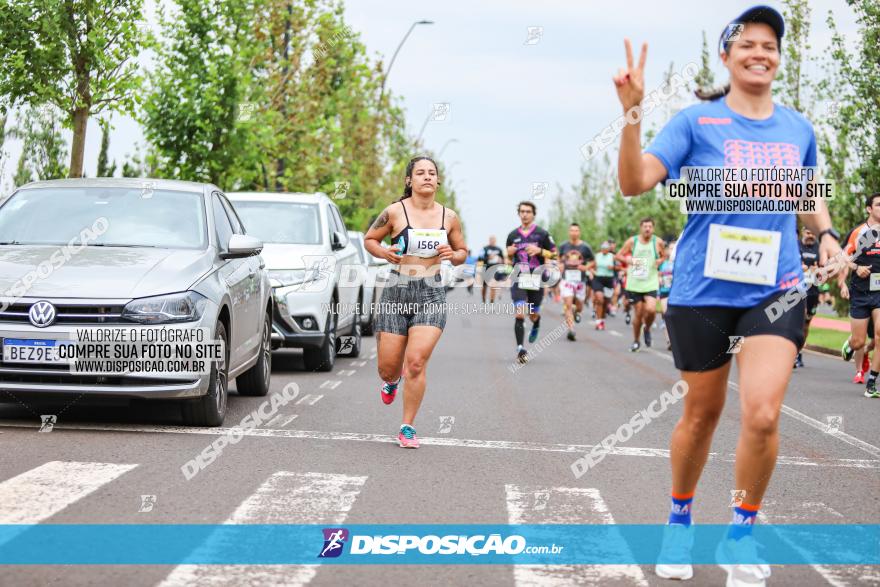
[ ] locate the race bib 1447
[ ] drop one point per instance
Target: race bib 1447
(744, 255)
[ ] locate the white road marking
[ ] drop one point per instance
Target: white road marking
(822, 426)
(613, 333)
(345, 372)
(579, 449)
(661, 355)
(359, 363)
(818, 513)
(285, 498)
(289, 420)
(310, 399)
(801, 417)
(276, 420)
(330, 384)
(566, 505)
(42, 492)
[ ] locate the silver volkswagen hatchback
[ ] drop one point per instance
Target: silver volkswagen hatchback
(130, 253)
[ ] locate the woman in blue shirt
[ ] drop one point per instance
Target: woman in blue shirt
(720, 294)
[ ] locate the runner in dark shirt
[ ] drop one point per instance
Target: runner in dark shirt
(491, 258)
(529, 247)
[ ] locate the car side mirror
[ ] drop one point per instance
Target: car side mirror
(338, 241)
(242, 245)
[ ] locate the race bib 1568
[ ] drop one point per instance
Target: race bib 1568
(424, 242)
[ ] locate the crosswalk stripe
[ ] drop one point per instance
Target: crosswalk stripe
(284, 498)
(42, 492)
(566, 505)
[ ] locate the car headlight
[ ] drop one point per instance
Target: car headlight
(180, 307)
(284, 277)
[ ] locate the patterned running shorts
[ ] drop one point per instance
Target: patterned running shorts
(411, 301)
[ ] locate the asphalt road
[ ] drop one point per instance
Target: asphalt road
(497, 447)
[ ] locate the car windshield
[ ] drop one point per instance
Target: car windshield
(104, 216)
(280, 222)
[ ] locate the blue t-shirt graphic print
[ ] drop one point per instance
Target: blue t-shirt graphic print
(712, 135)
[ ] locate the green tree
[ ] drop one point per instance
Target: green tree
(192, 115)
(44, 150)
(105, 169)
(705, 77)
(3, 153)
(76, 55)
(792, 87)
(850, 135)
(275, 95)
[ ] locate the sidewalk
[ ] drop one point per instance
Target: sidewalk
(829, 324)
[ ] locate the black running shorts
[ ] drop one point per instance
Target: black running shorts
(527, 296)
(862, 304)
(701, 335)
(635, 297)
(600, 283)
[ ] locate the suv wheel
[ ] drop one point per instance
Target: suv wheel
(210, 409)
(323, 357)
(255, 381)
(354, 350)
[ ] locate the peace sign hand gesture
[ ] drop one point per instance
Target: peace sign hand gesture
(630, 82)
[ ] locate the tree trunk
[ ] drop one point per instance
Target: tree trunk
(80, 121)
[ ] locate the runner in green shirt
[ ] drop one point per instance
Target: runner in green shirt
(643, 254)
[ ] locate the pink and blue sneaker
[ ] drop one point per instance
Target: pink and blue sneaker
(389, 391)
(407, 437)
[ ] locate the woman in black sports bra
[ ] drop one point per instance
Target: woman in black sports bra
(412, 313)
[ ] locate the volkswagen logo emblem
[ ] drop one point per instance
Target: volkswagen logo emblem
(42, 314)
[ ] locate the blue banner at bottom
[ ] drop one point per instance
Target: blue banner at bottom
(488, 544)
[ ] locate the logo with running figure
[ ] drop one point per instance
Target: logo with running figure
(534, 34)
(440, 112)
(540, 189)
(736, 343)
(733, 32)
(346, 345)
(833, 423)
(334, 541)
(736, 497)
(47, 422)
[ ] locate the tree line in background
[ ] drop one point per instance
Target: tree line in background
(263, 95)
(281, 95)
(841, 99)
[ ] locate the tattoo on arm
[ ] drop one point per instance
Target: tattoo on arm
(382, 220)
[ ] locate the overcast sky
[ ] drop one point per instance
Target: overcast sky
(518, 109)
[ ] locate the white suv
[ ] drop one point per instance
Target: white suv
(376, 271)
(306, 249)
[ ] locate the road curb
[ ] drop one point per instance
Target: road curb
(823, 350)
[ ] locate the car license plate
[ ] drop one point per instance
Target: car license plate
(27, 350)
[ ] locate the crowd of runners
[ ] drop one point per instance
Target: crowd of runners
(753, 277)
